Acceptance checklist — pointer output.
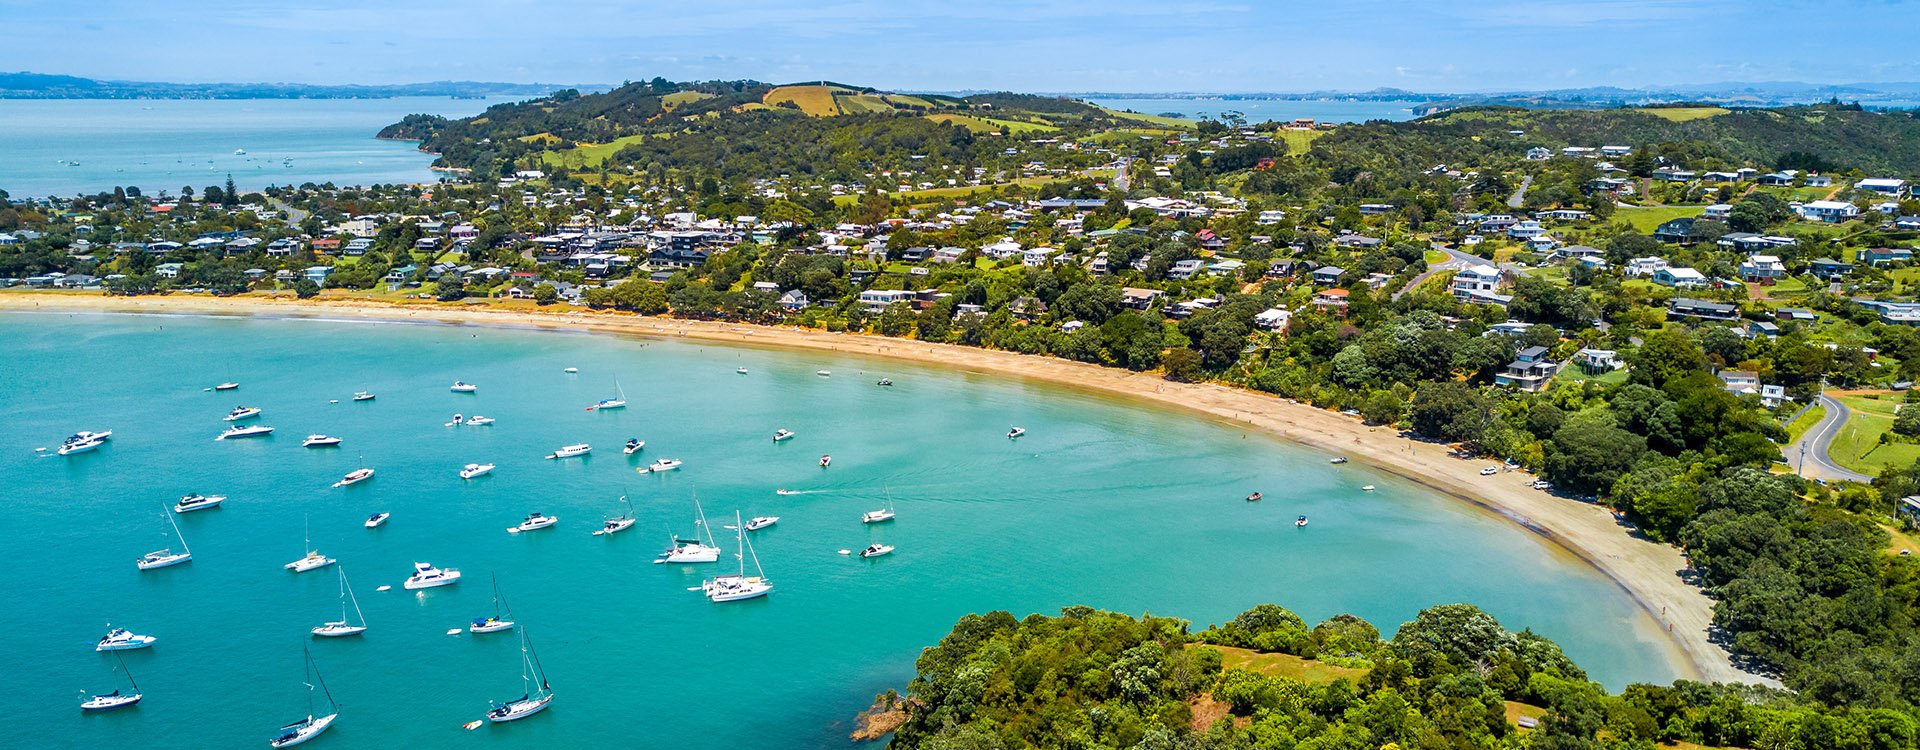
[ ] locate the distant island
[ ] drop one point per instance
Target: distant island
(25, 85)
(1771, 94)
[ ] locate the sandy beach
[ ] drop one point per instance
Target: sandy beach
(1647, 571)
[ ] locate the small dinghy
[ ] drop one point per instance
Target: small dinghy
(1255, 497)
(825, 461)
(779, 435)
(1301, 521)
(1016, 432)
(464, 387)
(377, 520)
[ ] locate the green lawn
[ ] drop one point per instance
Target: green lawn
(1436, 257)
(589, 154)
(1805, 422)
(1298, 141)
(1683, 114)
(1645, 220)
(1857, 446)
(991, 125)
(1284, 665)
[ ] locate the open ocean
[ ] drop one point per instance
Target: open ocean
(1102, 503)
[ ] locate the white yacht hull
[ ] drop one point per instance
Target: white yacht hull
(109, 702)
(312, 729)
(520, 709)
(615, 527)
(338, 630)
(162, 562)
(415, 585)
(86, 447)
(305, 564)
(491, 627)
(132, 644)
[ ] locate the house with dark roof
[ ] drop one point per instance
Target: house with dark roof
(1529, 371)
(1699, 309)
(1675, 230)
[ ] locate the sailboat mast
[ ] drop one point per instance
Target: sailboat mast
(323, 686)
(123, 668)
(346, 591)
(702, 520)
(756, 561)
(534, 659)
(176, 530)
(740, 543)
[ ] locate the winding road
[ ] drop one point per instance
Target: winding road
(1809, 453)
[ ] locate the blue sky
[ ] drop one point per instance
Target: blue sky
(1030, 45)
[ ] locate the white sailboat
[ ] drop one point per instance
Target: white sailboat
(501, 619)
(691, 550)
(618, 402)
(617, 524)
(739, 586)
(883, 514)
(344, 626)
(313, 561)
(165, 557)
(310, 727)
(115, 699)
(538, 693)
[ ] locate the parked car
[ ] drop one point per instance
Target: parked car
(1489, 471)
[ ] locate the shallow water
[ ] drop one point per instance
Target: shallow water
(1101, 503)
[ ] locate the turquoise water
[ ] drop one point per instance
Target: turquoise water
(1101, 503)
(69, 146)
(1262, 110)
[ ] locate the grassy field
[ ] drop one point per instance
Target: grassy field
(1165, 122)
(979, 124)
(851, 104)
(1435, 257)
(1298, 141)
(589, 154)
(1683, 114)
(818, 101)
(1645, 220)
(1805, 422)
(959, 191)
(1284, 665)
(1857, 446)
(678, 98)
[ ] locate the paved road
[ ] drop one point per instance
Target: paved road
(294, 215)
(1810, 451)
(1120, 176)
(1520, 196)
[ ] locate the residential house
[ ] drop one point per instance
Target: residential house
(1331, 302)
(1539, 153)
(168, 270)
(1527, 229)
(1529, 371)
(1832, 212)
(1597, 361)
(1185, 269)
(1829, 269)
(1037, 256)
(1762, 269)
(1477, 279)
(1328, 275)
(318, 274)
(1675, 230)
(1717, 211)
(877, 300)
(1272, 319)
(1881, 256)
(1894, 313)
(1698, 309)
(1883, 186)
(1794, 314)
(1139, 299)
(1680, 278)
(1759, 328)
(1740, 381)
(794, 300)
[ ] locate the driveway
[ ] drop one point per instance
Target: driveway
(1455, 261)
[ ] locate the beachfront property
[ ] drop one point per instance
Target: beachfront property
(1529, 371)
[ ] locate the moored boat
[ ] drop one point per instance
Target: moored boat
(876, 550)
(502, 618)
(377, 520)
(464, 387)
(121, 639)
(538, 694)
(739, 586)
(476, 470)
(479, 421)
(72, 446)
(310, 727)
(782, 434)
(355, 477)
(344, 626)
(425, 576)
(760, 522)
(313, 561)
(319, 441)
(569, 451)
(115, 699)
(1016, 432)
(238, 431)
(363, 396)
(633, 446)
(226, 386)
(617, 524)
(191, 503)
(665, 464)
(534, 520)
(242, 412)
(693, 550)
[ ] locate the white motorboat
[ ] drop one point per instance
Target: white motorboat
(363, 396)
(1366, 488)
(779, 435)
(310, 727)
(121, 639)
(739, 586)
(876, 550)
(191, 503)
(1016, 432)
(226, 386)
(741, 370)
(479, 421)
(464, 387)
(425, 576)
(1337, 460)
(344, 626)
(538, 693)
(354, 477)
(633, 446)
(476, 470)
(70, 448)
(571, 370)
(760, 522)
(885, 382)
(1302, 521)
(238, 431)
(502, 618)
(665, 464)
(89, 436)
(825, 461)
(617, 524)
(377, 520)
(242, 412)
(569, 451)
(166, 557)
(313, 561)
(535, 520)
(692, 550)
(823, 373)
(319, 441)
(115, 699)
(786, 492)
(456, 421)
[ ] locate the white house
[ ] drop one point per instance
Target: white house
(877, 300)
(1762, 268)
(1645, 266)
(1679, 278)
(1882, 185)
(1832, 212)
(1476, 279)
(1273, 319)
(1037, 256)
(1718, 211)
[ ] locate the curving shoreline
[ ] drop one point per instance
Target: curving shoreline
(1648, 572)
